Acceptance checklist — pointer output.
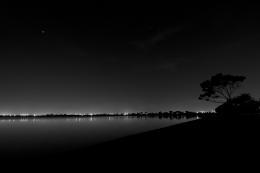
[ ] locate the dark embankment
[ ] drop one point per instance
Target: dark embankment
(215, 141)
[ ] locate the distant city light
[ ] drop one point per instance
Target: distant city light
(201, 111)
(24, 114)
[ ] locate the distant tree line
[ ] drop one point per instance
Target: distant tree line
(160, 115)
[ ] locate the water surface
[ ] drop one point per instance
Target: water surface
(59, 134)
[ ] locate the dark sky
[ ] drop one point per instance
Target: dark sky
(65, 58)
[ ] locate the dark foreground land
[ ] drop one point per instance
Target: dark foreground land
(210, 142)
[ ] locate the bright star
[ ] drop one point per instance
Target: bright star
(43, 31)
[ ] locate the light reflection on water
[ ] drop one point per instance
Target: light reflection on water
(65, 133)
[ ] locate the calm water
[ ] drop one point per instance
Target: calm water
(64, 134)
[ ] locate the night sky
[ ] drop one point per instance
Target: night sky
(96, 58)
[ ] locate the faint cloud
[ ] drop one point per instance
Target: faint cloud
(161, 65)
(170, 66)
(158, 37)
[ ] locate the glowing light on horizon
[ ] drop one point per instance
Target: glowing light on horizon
(24, 114)
(201, 111)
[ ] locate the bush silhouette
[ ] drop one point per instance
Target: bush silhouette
(243, 104)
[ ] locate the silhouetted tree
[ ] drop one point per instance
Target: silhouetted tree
(243, 104)
(220, 88)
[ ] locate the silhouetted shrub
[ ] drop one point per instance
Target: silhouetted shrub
(243, 104)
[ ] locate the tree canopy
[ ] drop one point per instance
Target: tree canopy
(220, 88)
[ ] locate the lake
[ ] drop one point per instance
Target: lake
(61, 134)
